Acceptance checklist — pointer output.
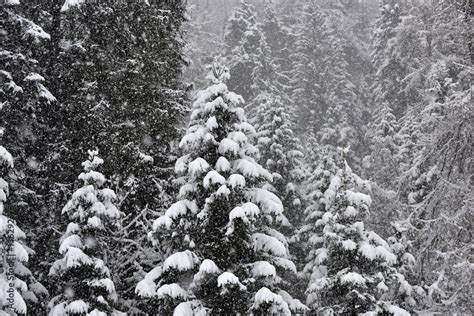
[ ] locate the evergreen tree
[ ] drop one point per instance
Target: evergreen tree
(222, 251)
(307, 76)
(385, 144)
(27, 109)
(18, 287)
(327, 84)
(243, 39)
(86, 285)
(279, 38)
(436, 146)
(281, 154)
(122, 87)
(351, 271)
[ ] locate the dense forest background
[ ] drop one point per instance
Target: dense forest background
(221, 156)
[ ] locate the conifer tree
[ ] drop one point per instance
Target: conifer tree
(86, 285)
(385, 144)
(26, 108)
(243, 39)
(351, 270)
(279, 38)
(280, 153)
(18, 287)
(307, 74)
(222, 251)
(122, 87)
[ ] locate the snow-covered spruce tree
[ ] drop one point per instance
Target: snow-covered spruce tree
(280, 153)
(243, 39)
(26, 104)
(382, 167)
(85, 281)
(307, 74)
(17, 285)
(382, 135)
(223, 254)
(351, 270)
(122, 63)
(279, 38)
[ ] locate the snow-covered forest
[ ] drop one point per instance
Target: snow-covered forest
(225, 157)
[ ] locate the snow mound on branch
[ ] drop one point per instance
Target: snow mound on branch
(162, 221)
(397, 311)
(208, 266)
(74, 257)
(265, 297)
(263, 269)
(228, 278)
(357, 198)
(172, 290)
(268, 244)
(228, 145)
(223, 190)
(92, 177)
(190, 308)
(180, 166)
(6, 158)
(213, 177)
(251, 169)
(250, 209)
(96, 312)
(212, 123)
(108, 194)
(217, 103)
(349, 245)
(181, 261)
(95, 222)
(245, 128)
(45, 93)
(181, 208)
(20, 252)
(238, 137)
(95, 163)
(236, 180)
(269, 202)
(147, 287)
(285, 264)
(350, 212)
(222, 164)
(72, 228)
(71, 241)
(77, 307)
(238, 212)
(198, 166)
(34, 77)
(234, 98)
(295, 305)
(353, 277)
(373, 252)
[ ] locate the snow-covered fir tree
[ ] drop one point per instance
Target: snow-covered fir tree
(26, 104)
(351, 268)
(279, 38)
(280, 153)
(307, 74)
(223, 253)
(122, 86)
(85, 280)
(243, 39)
(18, 287)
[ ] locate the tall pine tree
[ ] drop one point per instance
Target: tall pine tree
(222, 251)
(85, 281)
